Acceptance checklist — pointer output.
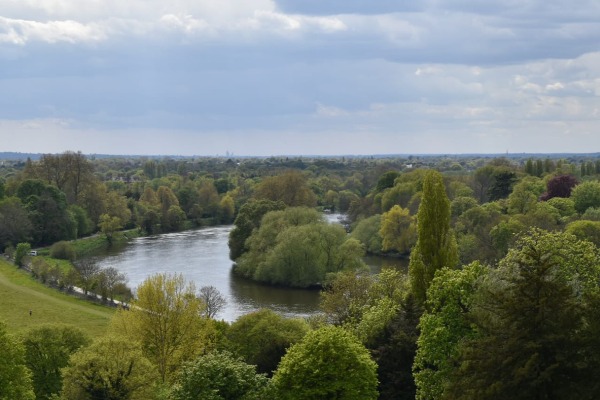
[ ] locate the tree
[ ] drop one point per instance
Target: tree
(112, 369)
(87, 274)
(110, 279)
(344, 298)
(248, 219)
(532, 325)
(585, 230)
(22, 252)
(386, 180)
(15, 226)
(436, 246)
(109, 225)
(290, 188)
(586, 195)
(296, 247)
(47, 351)
(218, 376)
(367, 232)
(328, 363)
(261, 338)
(213, 301)
(397, 230)
(166, 319)
(15, 378)
(443, 325)
(559, 186)
(503, 179)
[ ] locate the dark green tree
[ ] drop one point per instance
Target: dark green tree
(532, 336)
(248, 219)
(436, 246)
(47, 351)
(261, 338)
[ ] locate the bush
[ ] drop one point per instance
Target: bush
(22, 251)
(63, 251)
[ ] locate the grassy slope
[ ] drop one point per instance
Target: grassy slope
(20, 293)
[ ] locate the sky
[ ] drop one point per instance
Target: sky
(299, 77)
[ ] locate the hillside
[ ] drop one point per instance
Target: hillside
(21, 293)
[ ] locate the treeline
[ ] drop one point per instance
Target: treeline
(524, 327)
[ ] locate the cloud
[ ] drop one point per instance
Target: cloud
(474, 73)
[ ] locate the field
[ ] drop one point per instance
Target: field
(20, 293)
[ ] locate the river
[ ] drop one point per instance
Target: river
(202, 256)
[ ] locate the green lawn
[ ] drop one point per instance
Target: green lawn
(19, 293)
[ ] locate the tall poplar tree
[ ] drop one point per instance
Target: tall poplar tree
(436, 245)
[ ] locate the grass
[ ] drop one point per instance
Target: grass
(91, 244)
(19, 293)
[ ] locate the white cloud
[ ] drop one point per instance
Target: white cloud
(20, 32)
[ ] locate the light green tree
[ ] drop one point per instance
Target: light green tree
(329, 363)
(166, 318)
(21, 252)
(442, 326)
(398, 231)
(367, 232)
(109, 225)
(586, 195)
(111, 368)
(436, 245)
(15, 377)
(218, 376)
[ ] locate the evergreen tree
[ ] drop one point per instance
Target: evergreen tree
(436, 245)
(531, 317)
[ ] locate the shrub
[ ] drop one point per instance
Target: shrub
(63, 251)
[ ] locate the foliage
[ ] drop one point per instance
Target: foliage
(22, 252)
(442, 326)
(398, 230)
(559, 186)
(585, 230)
(109, 225)
(248, 219)
(15, 378)
(344, 297)
(166, 319)
(15, 226)
(87, 274)
(216, 376)
(261, 338)
(328, 363)
(295, 247)
(461, 204)
(63, 251)
(586, 195)
(290, 188)
(530, 318)
(367, 232)
(47, 350)
(111, 368)
(386, 180)
(436, 246)
(394, 348)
